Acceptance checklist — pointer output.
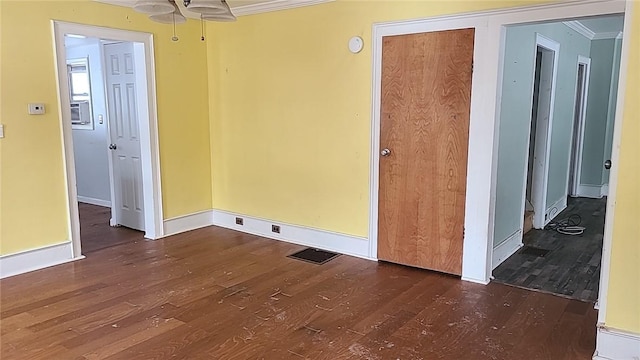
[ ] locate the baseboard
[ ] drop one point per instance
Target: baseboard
(506, 249)
(555, 209)
(188, 222)
(30, 260)
(301, 235)
(613, 344)
(590, 191)
(94, 201)
(604, 191)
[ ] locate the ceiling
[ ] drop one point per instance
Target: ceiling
(601, 27)
(606, 24)
(238, 7)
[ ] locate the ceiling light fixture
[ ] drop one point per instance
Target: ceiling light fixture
(153, 7)
(168, 12)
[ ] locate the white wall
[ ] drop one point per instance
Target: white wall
(90, 147)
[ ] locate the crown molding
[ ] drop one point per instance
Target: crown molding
(242, 10)
(274, 5)
(580, 29)
(608, 35)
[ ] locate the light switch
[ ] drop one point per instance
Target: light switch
(100, 119)
(1, 131)
(36, 109)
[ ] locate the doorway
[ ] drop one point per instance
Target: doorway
(126, 122)
(562, 255)
(580, 109)
(542, 105)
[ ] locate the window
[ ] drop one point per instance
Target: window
(80, 93)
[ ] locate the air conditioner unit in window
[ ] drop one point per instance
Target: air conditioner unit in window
(80, 113)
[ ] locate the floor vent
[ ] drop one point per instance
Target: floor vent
(314, 256)
(534, 251)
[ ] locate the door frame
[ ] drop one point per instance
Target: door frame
(542, 137)
(148, 127)
(573, 188)
(485, 117)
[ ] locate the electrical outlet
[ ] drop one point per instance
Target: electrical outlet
(275, 229)
(239, 221)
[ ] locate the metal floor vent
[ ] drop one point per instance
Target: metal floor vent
(314, 256)
(534, 251)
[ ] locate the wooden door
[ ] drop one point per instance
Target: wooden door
(424, 125)
(125, 135)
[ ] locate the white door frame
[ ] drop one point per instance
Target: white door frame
(542, 139)
(484, 121)
(579, 141)
(148, 127)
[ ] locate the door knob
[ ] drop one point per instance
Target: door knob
(112, 146)
(607, 164)
(385, 152)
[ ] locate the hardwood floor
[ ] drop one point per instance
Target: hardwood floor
(218, 294)
(571, 267)
(96, 233)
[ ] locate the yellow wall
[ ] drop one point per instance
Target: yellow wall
(291, 110)
(33, 200)
(623, 307)
(290, 123)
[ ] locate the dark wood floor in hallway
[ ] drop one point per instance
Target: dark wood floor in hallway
(96, 233)
(571, 265)
(218, 294)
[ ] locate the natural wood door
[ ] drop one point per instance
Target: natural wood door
(424, 123)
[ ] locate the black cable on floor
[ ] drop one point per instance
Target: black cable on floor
(568, 225)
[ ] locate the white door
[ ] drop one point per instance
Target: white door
(125, 135)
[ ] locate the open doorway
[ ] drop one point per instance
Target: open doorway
(559, 248)
(104, 121)
(108, 110)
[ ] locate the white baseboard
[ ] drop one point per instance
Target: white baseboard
(189, 222)
(94, 201)
(590, 191)
(604, 191)
(506, 248)
(555, 209)
(30, 260)
(613, 344)
(331, 241)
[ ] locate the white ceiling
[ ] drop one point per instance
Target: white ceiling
(238, 7)
(605, 24)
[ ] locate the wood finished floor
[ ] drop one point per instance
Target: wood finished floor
(571, 268)
(96, 233)
(218, 294)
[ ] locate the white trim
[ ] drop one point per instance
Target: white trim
(604, 190)
(544, 129)
(189, 222)
(242, 10)
(614, 344)
(559, 206)
(590, 191)
(577, 170)
(35, 259)
(608, 35)
(481, 182)
(94, 201)
(148, 129)
(301, 235)
(578, 27)
(605, 267)
(506, 248)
